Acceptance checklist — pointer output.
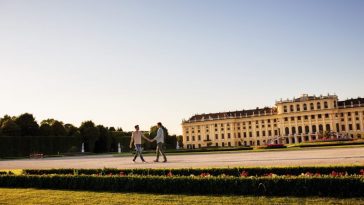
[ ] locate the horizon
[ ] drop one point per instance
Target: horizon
(121, 63)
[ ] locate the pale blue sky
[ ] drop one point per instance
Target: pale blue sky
(121, 63)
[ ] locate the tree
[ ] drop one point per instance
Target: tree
(90, 135)
(58, 128)
(112, 129)
(103, 144)
(28, 125)
(6, 117)
(70, 129)
(45, 130)
(10, 128)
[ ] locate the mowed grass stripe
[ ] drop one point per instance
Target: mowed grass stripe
(38, 196)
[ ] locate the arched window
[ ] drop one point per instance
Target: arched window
(314, 129)
(293, 130)
(311, 106)
(304, 107)
(307, 129)
(326, 105)
(298, 108)
(318, 105)
(299, 129)
(321, 128)
(287, 131)
(328, 127)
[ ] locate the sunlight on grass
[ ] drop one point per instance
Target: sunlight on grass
(35, 196)
(14, 171)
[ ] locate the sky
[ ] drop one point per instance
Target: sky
(126, 62)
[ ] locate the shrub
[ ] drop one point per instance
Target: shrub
(277, 186)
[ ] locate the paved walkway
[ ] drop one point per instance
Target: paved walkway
(332, 156)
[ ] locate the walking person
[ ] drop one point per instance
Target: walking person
(136, 137)
(160, 142)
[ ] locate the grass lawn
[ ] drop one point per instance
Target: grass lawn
(35, 196)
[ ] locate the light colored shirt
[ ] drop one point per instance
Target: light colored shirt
(160, 136)
(136, 136)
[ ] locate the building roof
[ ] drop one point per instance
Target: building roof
(349, 102)
(234, 114)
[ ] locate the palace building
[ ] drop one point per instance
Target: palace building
(302, 119)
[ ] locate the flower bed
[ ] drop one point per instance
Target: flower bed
(250, 171)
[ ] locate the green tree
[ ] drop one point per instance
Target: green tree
(28, 125)
(112, 129)
(45, 130)
(90, 135)
(58, 128)
(103, 144)
(71, 130)
(10, 128)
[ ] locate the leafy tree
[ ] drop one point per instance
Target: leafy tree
(90, 135)
(45, 130)
(112, 129)
(180, 141)
(70, 129)
(27, 124)
(103, 144)
(48, 121)
(6, 117)
(10, 128)
(58, 128)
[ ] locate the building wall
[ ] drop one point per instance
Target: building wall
(295, 121)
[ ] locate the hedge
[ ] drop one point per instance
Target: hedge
(23, 146)
(251, 171)
(277, 186)
(324, 144)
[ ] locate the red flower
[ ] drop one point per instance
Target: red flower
(244, 174)
(204, 174)
(169, 174)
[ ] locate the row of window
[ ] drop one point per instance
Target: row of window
(297, 108)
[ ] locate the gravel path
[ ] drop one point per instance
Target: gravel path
(332, 156)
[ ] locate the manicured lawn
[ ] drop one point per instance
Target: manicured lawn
(35, 196)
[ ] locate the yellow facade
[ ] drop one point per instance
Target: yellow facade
(306, 118)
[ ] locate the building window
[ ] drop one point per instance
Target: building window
(326, 105)
(188, 138)
(312, 117)
(298, 108)
(304, 107)
(306, 117)
(326, 115)
(318, 105)
(314, 129)
(193, 138)
(250, 134)
(239, 135)
(357, 126)
(229, 135)
(287, 131)
(321, 128)
(342, 127)
(319, 116)
(307, 129)
(286, 119)
(285, 108)
(222, 136)
(223, 144)
(328, 127)
(257, 134)
(292, 118)
(216, 136)
(291, 108)
(269, 133)
(263, 133)
(350, 127)
(229, 144)
(199, 137)
(311, 106)
(299, 118)
(293, 130)
(299, 129)
(244, 134)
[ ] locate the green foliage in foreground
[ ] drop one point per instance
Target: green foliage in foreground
(249, 171)
(56, 197)
(344, 186)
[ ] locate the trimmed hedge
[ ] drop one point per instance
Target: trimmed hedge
(276, 186)
(324, 144)
(252, 171)
(23, 146)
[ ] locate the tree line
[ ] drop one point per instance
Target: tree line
(96, 138)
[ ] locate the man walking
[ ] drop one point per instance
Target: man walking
(136, 136)
(160, 141)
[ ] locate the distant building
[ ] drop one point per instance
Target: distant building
(292, 121)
